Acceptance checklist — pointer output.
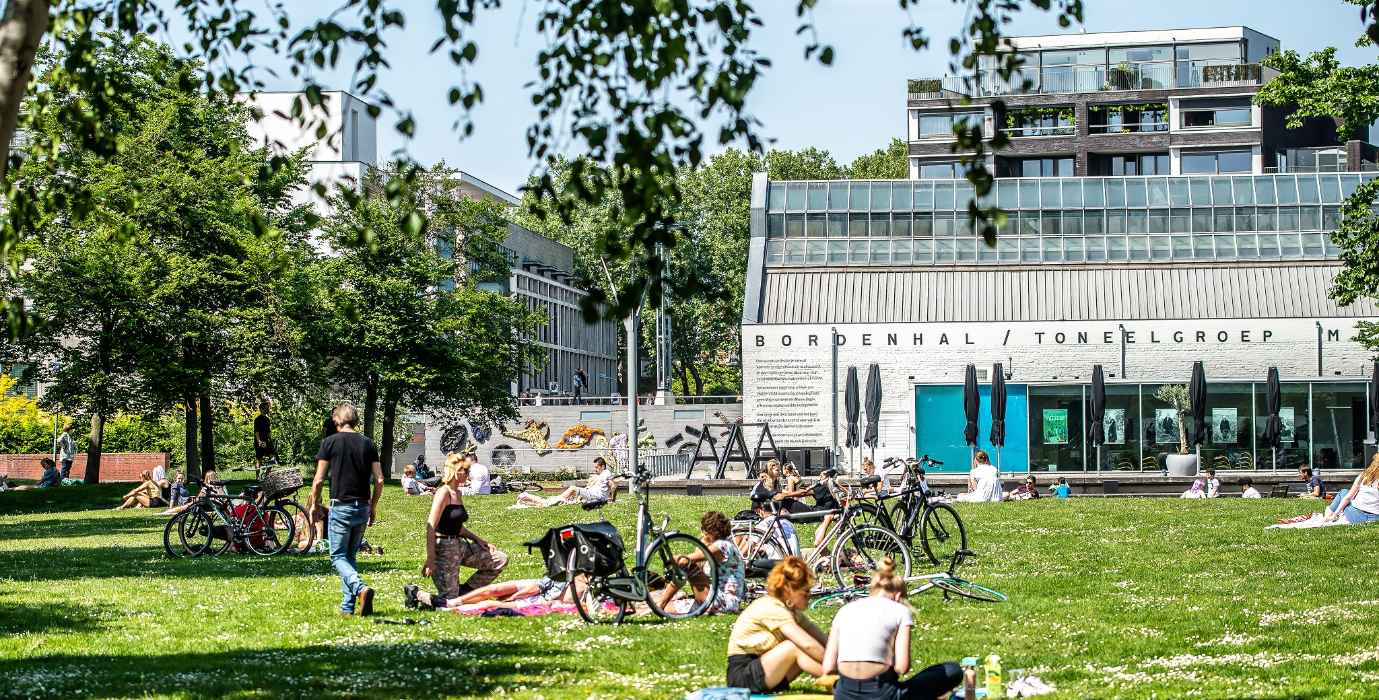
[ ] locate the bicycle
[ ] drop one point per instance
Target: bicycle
(504, 483)
(919, 511)
(279, 489)
(948, 581)
(663, 558)
(848, 549)
(210, 525)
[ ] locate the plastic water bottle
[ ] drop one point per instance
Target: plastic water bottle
(969, 678)
(995, 687)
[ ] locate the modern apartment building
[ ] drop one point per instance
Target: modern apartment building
(1155, 217)
(1164, 102)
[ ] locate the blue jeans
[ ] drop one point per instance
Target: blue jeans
(345, 530)
(1352, 514)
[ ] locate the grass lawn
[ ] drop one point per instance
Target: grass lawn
(1132, 598)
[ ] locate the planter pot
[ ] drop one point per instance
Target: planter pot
(1181, 465)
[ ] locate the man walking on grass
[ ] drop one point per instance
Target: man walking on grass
(351, 459)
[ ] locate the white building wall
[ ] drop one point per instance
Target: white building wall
(787, 370)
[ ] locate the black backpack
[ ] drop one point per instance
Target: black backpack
(599, 545)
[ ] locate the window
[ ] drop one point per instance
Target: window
(1035, 167)
(1240, 161)
(1127, 119)
(1056, 121)
(1218, 116)
(1129, 164)
(940, 126)
(941, 170)
(1195, 59)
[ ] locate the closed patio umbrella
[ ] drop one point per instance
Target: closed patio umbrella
(852, 405)
(998, 410)
(1096, 428)
(1374, 401)
(1273, 426)
(971, 405)
(873, 406)
(1197, 397)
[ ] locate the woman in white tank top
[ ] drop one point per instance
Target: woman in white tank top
(1360, 502)
(869, 647)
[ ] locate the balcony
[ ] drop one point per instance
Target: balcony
(1100, 77)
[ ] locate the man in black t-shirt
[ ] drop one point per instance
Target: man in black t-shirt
(350, 459)
(263, 437)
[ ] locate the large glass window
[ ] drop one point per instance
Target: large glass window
(1140, 68)
(1193, 59)
(1046, 121)
(1216, 116)
(1234, 161)
(941, 170)
(1121, 425)
(1127, 119)
(1073, 71)
(1295, 449)
(937, 126)
(1034, 167)
(1055, 428)
(1230, 436)
(1339, 431)
(1129, 164)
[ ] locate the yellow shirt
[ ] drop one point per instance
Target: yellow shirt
(758, 628)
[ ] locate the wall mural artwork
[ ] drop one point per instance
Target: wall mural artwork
(534, 433)
(579, 435)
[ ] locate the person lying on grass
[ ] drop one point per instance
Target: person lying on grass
(146, 495)
(508, 594)
(869, 647)
(714, 530)
(772, 642)
(1360, 502)
(599, 488)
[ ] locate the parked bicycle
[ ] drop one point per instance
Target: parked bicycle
(930, 527)
(278, 488)
(849, 548)
(506, 482)
(591, 558)
(947, 581)
(214, 522)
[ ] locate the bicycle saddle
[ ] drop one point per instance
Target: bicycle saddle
(594, 505)
(809, 516)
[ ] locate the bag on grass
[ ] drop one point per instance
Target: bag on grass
(599, 545)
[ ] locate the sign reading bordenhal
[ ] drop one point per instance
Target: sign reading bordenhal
(787, 369)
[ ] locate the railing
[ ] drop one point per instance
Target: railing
(1076, 78)
(665, 464)
(1040, 131)
(1365, 167)
(1131, 128)
(619, 400)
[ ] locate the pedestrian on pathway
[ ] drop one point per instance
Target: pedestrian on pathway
(67, 450)
(350, 459)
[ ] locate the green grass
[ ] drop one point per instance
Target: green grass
(1130, 598)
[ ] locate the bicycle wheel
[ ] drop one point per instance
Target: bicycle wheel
(592, 600)
(200, 534)
(942, 533)
(527, 486)
(966, 589)
(269, 532)
(682, 565)
(303, 534)
(836, 598)
(869, 513)
(859, 552)
(172, 537)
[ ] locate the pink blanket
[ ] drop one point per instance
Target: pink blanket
(525, 607)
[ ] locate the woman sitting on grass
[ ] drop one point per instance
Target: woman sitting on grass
(146, 495)
(772, 642)
(51, 477)
(1360, 502)
(869, 647)
(714, 530)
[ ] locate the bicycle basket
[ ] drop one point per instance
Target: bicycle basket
(600, 546)
(280, 482)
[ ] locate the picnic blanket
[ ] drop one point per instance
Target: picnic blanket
(1314, 520)
(526, 607)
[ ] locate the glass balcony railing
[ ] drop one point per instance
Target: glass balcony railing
(1063, 79)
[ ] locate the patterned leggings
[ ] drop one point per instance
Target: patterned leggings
(451, 554)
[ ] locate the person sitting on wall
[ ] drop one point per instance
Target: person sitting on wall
(1247, 488)
(983, 481)
(600, 487)
(1312, 484)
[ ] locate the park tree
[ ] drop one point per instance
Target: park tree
(889, 163)
(172, 260)
(400, 315)
(641, 87)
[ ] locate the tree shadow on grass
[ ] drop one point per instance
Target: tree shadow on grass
(65, 563)
(21, 618)
(62, 499)
(422, 668)
(76, 525)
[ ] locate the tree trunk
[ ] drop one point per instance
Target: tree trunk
(370, 404)
(93, 451)
(22, 28)
(207, 434)
(698, 380)
(193, 456)
(684, 379)
(385, 447)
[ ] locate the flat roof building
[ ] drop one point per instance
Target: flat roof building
(1156, 217)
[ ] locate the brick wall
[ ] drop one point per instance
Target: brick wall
(115, 466)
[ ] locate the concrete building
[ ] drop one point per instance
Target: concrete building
(1164, 260)
(346, 154)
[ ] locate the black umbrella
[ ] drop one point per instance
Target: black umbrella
(1096, 418)
(852, 406)
(1197, 394)
(971, 404)
(873, 405)
(1273, 400)
(998, 406)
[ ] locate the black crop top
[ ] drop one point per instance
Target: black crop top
(452, 520)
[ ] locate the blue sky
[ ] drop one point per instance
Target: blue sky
(853, 107)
